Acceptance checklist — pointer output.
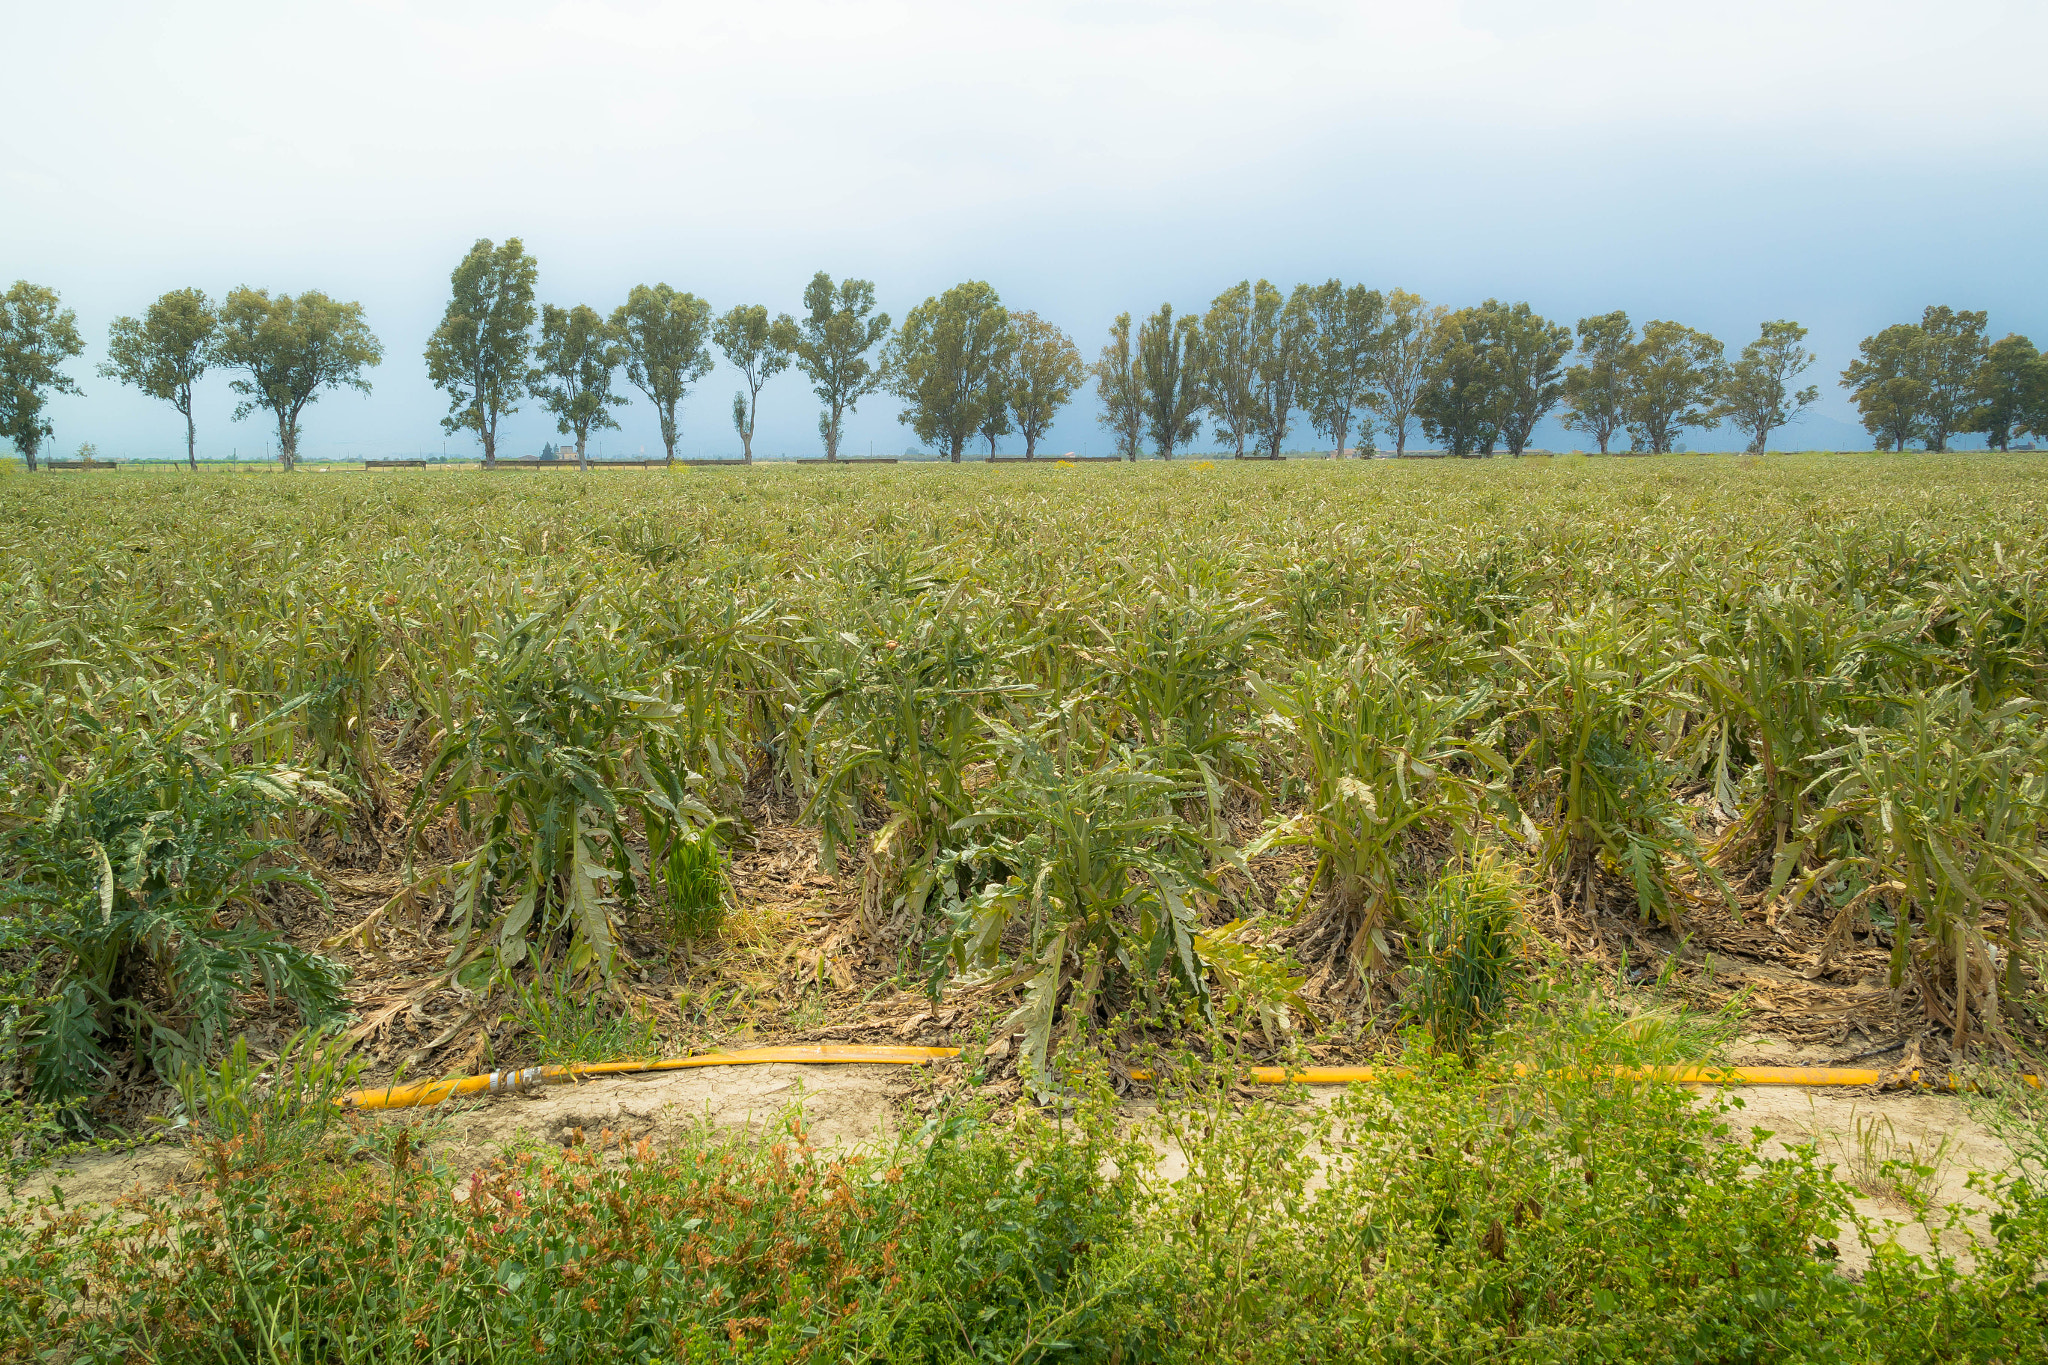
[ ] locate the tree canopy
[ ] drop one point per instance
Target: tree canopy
(1407, 339)
(1596, 389)
(946, 363)
(665, 338)
(480, 351)
(748, 339)
(579, 357)
(1459, 402)
(1282, 353)
(1343, 365)
(1888, 384)
(37, 335)
(830, 346)
(1045, 372)
(1230, 364)
(1953, 352)
(165, 353)
(290, 350)
(1120, 385)
(1171, 379)
(2012, 392)
(1527, 352)
(1674, 374)
(1756, 391)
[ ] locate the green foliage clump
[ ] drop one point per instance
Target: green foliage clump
(1466, 953)
(144, 881)
(693, 883)
(548, 769)
(565, 1023)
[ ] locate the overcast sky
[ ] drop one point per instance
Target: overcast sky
(1842, 164)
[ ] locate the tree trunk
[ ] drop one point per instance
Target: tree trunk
(191, 440)
(582, 460)
(490, 435)
(1401, 440)
(1030, 446)
(287, 443)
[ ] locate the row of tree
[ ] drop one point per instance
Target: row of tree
(965, 365)
(1928, 380)
(1346, 361)
(285, 351)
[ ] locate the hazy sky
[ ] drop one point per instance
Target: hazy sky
(1842, 164)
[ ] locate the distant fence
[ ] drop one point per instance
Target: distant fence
(852, 459)
(615, 464)
(394, 464)
(81, 464)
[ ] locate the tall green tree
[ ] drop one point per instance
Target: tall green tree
(579, 357)
(1344, 359)
(1045, 372)
(831, 344)
(1596, 391)
(479, 354)
(165, 353)
(1230, 360)
(37, 335)
(748, 339)
(997, 395)
(1674, 373)
(1407, 340)
(1888, 384)
(1756, 391)
(2012, 392)
(1460, 400)
(1954, 353)
(1528, 353)
(289, 350)
(1170, 354)
(665, 335)
(941, 361)
(1284, 332)
(1120, 385)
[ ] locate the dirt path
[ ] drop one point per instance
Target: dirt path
(1858, 1130)
(853, 1104)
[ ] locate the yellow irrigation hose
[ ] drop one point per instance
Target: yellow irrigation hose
(533, 1077)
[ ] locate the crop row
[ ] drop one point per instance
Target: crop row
(1042, 717)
